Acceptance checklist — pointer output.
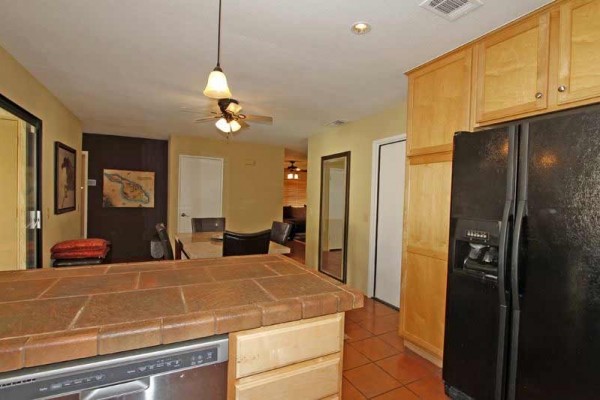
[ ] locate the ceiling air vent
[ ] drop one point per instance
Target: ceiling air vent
(451, 9)
(337, 122)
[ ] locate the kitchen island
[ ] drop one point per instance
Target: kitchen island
(54, 315)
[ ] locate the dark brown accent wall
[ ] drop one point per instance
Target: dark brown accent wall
(128, 229)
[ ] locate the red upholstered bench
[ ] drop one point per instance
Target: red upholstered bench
(79, 252)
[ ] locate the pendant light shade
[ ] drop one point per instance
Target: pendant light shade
(216, 87)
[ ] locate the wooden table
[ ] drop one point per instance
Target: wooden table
(203, 245)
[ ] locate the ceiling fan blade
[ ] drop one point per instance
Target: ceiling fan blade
(206, 119)
(260, 119)
(243, 124)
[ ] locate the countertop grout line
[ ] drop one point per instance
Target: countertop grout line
(78, 314)
(264, 290)
(48, 288)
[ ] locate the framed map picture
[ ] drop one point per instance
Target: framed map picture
(65, 161)
(127, 189)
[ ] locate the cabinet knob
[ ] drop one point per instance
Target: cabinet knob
(562, 88)
(539, 95)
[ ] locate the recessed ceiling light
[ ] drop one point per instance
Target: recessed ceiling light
(360, 28)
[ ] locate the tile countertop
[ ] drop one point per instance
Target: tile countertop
(51, 315)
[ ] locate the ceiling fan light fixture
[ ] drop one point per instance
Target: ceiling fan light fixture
(234, 107)
(235, 126)
(216, 87)
(223, 125)
(228, 127)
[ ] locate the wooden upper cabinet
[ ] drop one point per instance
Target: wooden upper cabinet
(579, 51)
(439, 103)
(511, 70)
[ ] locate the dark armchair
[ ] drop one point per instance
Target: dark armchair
(280, 232)
(240, 244)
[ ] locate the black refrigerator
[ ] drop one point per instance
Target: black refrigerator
(523, 294)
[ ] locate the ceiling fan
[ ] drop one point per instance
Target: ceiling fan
(292, 170)
(230, 119)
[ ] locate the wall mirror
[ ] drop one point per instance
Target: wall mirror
(333, 221)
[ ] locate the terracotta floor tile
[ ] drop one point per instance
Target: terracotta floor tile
(393, 339)
(374, 348)
(398, 394)
(116, 308)
(378, 325)
(349, 392)
(356, 332)
(406, 367)
(188, 276)
(21, 318)
(371, 380)
(358, 315)
(353, 358)
(210, 296)
(429, 388)
(23, 290)
(85, 285)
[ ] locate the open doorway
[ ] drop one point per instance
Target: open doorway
(20, 178)
(294, 201)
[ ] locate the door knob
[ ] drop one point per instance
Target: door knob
(539, 95)
(562, 88)
(184, 215)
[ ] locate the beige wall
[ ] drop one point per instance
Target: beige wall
(9, 132)
(59, 124)
(356, 137)
(253, 180)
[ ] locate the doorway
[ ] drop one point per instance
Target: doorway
(387, 209)
(20, 177)
(200, 190)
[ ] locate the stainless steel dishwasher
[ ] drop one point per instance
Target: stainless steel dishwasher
(188, 370)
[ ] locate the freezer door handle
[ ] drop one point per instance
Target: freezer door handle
(516, 301)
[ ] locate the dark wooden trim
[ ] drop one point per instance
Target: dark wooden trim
(347, 155)
(57, 146)
(31, 119)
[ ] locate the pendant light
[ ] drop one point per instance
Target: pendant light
(216, 87)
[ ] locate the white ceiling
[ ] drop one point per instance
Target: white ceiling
(128, 66)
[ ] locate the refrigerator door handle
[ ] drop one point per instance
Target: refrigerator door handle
(504, 300)
(516, 301)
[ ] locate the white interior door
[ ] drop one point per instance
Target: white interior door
(200, 190)
(390, 207)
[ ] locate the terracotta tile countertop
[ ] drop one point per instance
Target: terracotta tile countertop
(52, 315)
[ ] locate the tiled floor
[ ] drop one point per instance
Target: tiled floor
(376, 364)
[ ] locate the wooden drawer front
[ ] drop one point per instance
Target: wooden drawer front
(267, 348)
(310, 380)
(512, 70)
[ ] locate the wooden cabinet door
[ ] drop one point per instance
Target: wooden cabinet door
(426, 252)
(429, 206)
(579, 51)
(439, 103)
(512, 70)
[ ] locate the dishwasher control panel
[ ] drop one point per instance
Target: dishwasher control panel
(107, 372)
